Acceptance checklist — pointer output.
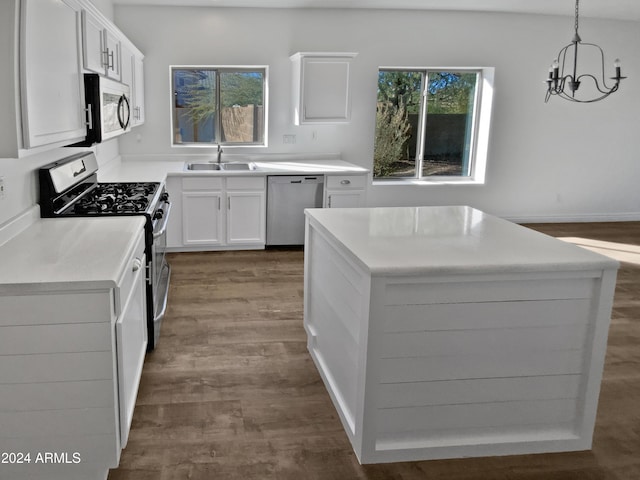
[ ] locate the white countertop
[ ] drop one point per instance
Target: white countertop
(150, 170)
(139, 171)
(447, 240)
(68, 253)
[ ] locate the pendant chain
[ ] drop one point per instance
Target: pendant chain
(576, 24)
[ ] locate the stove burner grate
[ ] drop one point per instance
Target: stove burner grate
(116, 198)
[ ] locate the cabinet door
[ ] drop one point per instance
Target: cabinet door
(138, 90)
(112, 59)
(202, 218)
(51, 75)
(246, 218)
(321, 87)
(94, 50)
(131, 337)
(345, 199)
(126, 73)
(326, 89)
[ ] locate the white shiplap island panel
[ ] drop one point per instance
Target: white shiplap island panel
(444, 332)
(63, 284)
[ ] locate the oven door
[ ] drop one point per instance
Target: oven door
(160, 273)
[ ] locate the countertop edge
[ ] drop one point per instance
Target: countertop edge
(592, 261)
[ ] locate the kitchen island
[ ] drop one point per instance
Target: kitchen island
(444, 332)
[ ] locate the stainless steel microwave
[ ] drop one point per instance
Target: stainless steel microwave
(108, 109)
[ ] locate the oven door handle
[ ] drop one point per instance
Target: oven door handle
(165, 221)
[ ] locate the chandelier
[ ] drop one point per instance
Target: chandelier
(564, 80)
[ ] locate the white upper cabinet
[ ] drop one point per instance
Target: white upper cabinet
(101, 47)
(137, 91)
(322, 87)
(52, 91)
(59, 41)
(133, 75)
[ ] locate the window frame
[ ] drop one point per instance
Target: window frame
(264, 69)
(483, 104)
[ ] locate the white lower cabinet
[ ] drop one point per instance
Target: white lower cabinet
(245, 217)
(217, 212)
(345, 191)
(71, 363)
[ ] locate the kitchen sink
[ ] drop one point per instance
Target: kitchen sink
(237, 166)
(220, 166)
(203, 166)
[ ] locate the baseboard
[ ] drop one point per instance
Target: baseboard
(584, 218)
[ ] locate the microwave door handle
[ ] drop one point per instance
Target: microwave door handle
(128, 112)
(121, 112)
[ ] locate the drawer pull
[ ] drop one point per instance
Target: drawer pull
(137, 263)
(345, 182)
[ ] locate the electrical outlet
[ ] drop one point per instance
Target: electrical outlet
(291, 139)
(2, 188)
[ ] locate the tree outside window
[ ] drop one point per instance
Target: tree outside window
(214, 105)
(425, 123)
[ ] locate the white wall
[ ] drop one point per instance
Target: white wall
(546, 161)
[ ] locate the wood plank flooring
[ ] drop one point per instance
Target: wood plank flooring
(231, 393)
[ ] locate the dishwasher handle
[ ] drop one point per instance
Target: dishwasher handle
(295, 179)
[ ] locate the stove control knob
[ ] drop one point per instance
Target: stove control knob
(137, 263)
(158, 214)
(164, 197)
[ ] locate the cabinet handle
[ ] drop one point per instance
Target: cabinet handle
(228, 203)
(108, 60)
(218, 203)
(329, 201)
(345, 182)
(89, 116)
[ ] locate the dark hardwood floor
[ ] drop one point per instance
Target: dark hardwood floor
(231, 393)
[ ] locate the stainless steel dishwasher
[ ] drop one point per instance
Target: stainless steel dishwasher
(287, 197)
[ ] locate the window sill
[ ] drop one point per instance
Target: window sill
(426, 182)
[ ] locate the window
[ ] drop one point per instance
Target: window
(218, 105)
(427, 124)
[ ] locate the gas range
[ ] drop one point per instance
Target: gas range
(70, 187)
(115, 198)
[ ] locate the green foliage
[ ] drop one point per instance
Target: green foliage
(198, 92)
(399, 87)
(240, 88)
(450, 92)
(392, 132)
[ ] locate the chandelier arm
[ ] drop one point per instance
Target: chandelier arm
(563, 53)
(604, 80)
(576, 100)
(597, 85)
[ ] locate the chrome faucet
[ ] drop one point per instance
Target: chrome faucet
(219, 153)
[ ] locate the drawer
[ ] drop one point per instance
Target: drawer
(202, 183)
(345, 181)
(135, 265)
(246, 183)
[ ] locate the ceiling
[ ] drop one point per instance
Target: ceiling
(610, 9)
